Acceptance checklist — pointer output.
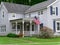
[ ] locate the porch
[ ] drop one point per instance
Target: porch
(24, 26)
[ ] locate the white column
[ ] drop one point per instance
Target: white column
(38, 29)
(23, 27)
(16, 27)
(30, 28)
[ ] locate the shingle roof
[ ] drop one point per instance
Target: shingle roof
(15, 8)
(40, 6)
(18, 8)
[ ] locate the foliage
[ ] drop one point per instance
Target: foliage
(20, 35)
(25, 2)
(46, 32)
(29, 41)
(12, 35)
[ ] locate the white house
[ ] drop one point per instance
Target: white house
(17, 18)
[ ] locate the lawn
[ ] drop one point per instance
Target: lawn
(29, 41)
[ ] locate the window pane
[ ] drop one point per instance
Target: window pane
(13, 16)
(57, 26)
(3, 28)
(3, 14)
(38, 13)
(53, 11)
(18, 26)
(26, 26)
(32, 27)
(13, 26)
(41, 12)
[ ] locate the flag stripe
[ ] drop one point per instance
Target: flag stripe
(36, 21)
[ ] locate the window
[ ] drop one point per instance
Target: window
(58, 26)
(19, 25)
(41, 12)
(13, 16)
(29, 15)
(27, 26)
(3, 28)
(3, 14)
(32, 27)
(41, 25)
(38, 13)
(53, 11)
(13, 26)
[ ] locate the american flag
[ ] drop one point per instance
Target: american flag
(36, 20)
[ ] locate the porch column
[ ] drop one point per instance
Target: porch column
(38, 29)
(23, 27)
(30, 28)
(16, 27)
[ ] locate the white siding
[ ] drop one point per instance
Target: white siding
(52, 17)
(4, 20)
(33, 14)
(17, 16)
(42, 17)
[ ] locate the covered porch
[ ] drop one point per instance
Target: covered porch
(24, 26)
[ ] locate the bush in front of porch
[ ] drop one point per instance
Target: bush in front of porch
(46, 32)
(12, 35)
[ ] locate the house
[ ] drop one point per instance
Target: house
(17, 18)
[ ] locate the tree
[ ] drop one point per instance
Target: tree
(25, 2)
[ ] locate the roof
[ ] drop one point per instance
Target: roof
(40, 6)
(15, 8)
(26, 19)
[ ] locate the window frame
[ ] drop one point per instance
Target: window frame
(13, 15)
(3, 14)
(53, 11)
(14, 25)
(41, 12)
(3, 28)
(56, 26)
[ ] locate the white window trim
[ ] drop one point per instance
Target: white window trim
(56, 26)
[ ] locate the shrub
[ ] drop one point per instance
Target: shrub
(12, 35)
(20, 35)
(46, 32)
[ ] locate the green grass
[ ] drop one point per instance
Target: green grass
(29, 41)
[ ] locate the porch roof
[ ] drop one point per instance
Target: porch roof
(57, 19)
(22, 19)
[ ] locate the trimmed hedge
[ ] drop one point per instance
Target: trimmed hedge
(12, 35)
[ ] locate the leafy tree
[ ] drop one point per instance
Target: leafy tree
(25, 2)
